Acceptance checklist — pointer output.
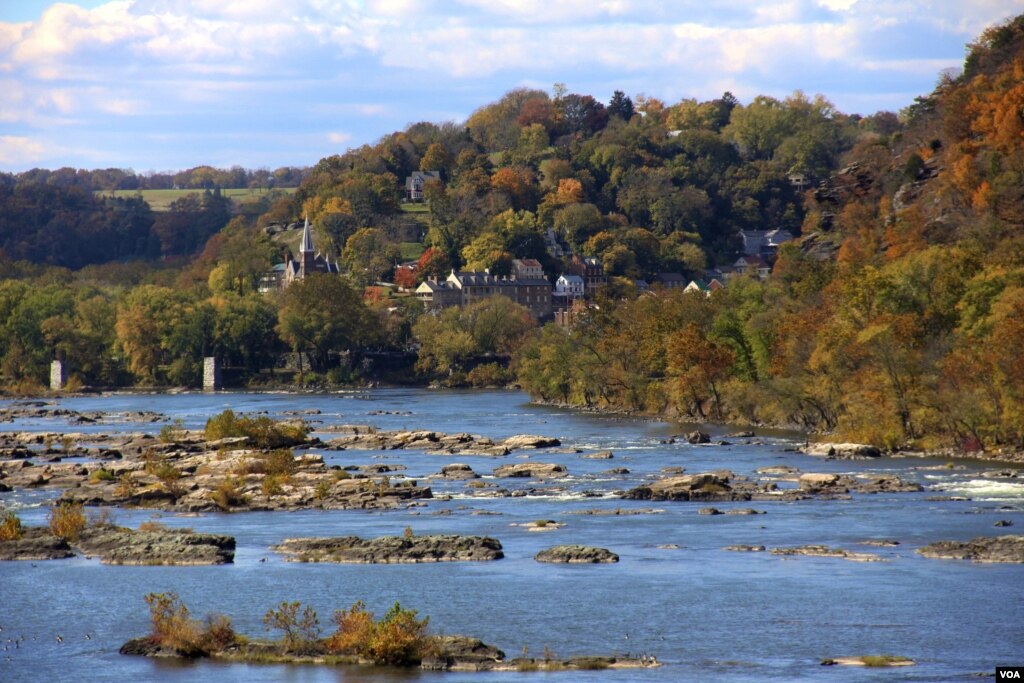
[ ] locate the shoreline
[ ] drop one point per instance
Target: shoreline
(810, 438)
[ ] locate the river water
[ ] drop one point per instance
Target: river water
(706, 613)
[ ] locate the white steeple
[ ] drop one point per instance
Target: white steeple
(307, 239)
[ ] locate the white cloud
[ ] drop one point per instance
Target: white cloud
(338, 138)
(18, 149)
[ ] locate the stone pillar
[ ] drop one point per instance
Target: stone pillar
(58, 375)
(211, 374)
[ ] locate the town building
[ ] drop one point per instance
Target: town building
(308, 262)
(414, 184)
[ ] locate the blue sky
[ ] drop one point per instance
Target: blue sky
(157, 85)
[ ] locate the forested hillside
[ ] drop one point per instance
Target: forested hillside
(894, 317)
(911, 334)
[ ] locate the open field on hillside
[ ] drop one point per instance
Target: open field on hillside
(160, 200)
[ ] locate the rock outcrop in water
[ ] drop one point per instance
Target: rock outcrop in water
(536, 470)
(121, 546)
(35, 544)
(708, 486)
(461, 443)
(214, 476)
(980, 549)
(391, 549)
(825, 551)
(576, 554)
(178, 547)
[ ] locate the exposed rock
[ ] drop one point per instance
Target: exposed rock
(778, 469)
(697, 437)
(530, 441)
(886, 484)
(457, 470)
(740, 435)
(881, 542)
(541, 525)
(602, 455)
(745, 511)
(463, 653)
(745, 548)
(709, 511)
(531, 469)
(869, 660)
(576, 554)
(1003, 523)
(708, 486)
(825, 551)
(847, 451)
(115, 545)
(616, 471)
(391, 549)
(815, 481)
(36, 543)
(980, 549)
(616, 512)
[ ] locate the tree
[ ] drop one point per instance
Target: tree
(436, 158)
(697, 366)
(321, 315)
(301, 628)
(370, 255)
(621, 106)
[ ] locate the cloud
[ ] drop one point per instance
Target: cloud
(338, 138)
(20, 150)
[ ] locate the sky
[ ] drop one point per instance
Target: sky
(164, 85)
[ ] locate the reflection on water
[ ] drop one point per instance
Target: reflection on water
(706, 613)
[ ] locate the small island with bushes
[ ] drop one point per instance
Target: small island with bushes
(398, 639)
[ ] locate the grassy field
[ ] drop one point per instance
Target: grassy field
(410, 207)
(160, 200)
(411, 250)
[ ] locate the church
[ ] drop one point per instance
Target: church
(309, 261)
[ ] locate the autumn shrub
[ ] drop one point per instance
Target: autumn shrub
(101, 475)
(173, 626)
(398, 639)
(355, 630)
(126, 485)
(10, 526)
(172, 432)
(262, 431)
(278, 462)
(152, 525)
(301, 627)
(272, 485)
(67, 520)
(219, 634)
(229, 494)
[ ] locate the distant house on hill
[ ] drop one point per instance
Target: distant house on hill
(763, 242)
(753, 265)
(567, 288)
(670, 281)
(415, 182)
(309, 262)
(592, 272)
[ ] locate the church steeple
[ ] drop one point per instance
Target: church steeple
(307, 239)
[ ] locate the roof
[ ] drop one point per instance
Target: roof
(532, 282)
(528, 262)
(475, 279)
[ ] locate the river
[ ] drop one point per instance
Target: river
(707, 614)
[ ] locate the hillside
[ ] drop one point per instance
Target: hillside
(897, 317)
